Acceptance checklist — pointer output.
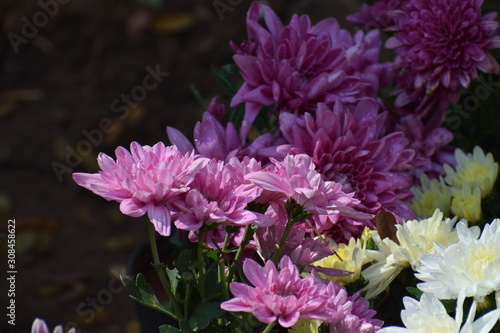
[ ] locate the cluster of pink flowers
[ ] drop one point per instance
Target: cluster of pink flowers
(339, 154)
(287, 297)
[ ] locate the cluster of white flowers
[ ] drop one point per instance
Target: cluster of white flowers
(452, 260)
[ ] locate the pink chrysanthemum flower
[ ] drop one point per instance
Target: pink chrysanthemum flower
(281, 295)
(219, 194)
(40, 326)
(211, 138)
(350, 147)
(299, 65)
(296, 178)
(355, 313)
(144, 180)
(376, 16)
(440, 46)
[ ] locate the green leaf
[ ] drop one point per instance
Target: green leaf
(169, 329)
(142, 292)
(173, 276)
(203, 313)
(223, 78)
(415, 292)
(212, 254)
(183, 263)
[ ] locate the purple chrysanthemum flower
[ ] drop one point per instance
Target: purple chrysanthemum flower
(430, 146)
(219, 194)
(350, 147)
(281, 295)
(294, 67)
(144, 180)
(440, 45)
(376, 16)
(40, 326)
(211, 138)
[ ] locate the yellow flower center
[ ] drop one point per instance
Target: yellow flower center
(481, 258)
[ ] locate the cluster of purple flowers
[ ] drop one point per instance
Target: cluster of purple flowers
(340, 152)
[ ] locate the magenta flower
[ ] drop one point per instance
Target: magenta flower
(219, 194)
(211, 138)
(440, 45)
(282, 295)
(310, 250)
(144, 180)
(299, 65)
(40, 326)
(350, 147)
(296, 178)
(430, 145)
(376, 16)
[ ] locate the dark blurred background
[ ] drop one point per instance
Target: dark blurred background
(77, 78)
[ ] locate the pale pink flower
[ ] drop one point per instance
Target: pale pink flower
(219, 194)
(40, 326)
(278, 295)
(296, 178)
(144, 180)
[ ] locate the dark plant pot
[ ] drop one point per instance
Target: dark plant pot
(140, 262)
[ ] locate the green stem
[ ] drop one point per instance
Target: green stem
(222, 272)
(158, 266)
(201, 265)
(277, 253)
(246, 238)
(269, 327)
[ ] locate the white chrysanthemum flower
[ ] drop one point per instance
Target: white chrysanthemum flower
(429, 315)
(466, 203)
(432, 194)
(470, 266)
(477, 169)
(415, 239)
(388, 262)
(350, 257)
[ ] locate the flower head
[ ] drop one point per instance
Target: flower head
(299, 65)
(470, 266)
(476, 170)
(376, 16)
(354, 312)
(432, 194)
(347, 257)
(39, 326)
(466, 203)
(415, 238)
(296, 178)
(211, 138)
(430, 143)
(430, 315)
(278, 295)
(219, 194)
(144, 180)
(440, 45)
(350, 147)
